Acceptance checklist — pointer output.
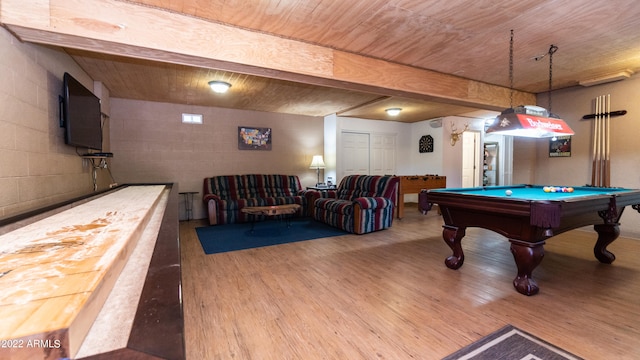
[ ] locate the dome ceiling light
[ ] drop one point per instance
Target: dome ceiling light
(393, 111)
(219, 87)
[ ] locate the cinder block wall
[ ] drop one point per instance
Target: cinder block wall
(151, 144)
(36, 167)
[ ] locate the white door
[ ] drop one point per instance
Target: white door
(471, 159)
(383, 154)
(355, 153)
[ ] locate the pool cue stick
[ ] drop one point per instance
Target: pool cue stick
(607, 156)
(602, 137)
(596, 158)
(599, 173)
(601, 142)
(593, 152)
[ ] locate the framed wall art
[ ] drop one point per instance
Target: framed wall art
(254, 138)
(560, 146)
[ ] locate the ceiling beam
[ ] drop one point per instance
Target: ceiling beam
(123, 28)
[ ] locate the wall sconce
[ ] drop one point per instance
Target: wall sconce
(393, 111)
(219, 87)
(455, 135)
(317, 163)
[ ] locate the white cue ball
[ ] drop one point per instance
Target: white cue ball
(508, 192)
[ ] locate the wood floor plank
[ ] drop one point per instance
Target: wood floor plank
(388, 295)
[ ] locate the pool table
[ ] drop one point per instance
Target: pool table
(529, 216)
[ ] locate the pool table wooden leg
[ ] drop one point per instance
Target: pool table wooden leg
(607, 233)
(527, 256)
(453, 235)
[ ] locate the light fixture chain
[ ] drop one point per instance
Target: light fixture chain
(552, 50)
(511, 70)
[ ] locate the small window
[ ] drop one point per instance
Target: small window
(192, 118)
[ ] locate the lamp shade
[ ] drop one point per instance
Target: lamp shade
(317, 162)
(529, 121)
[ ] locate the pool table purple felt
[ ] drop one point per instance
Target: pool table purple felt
(528, 217)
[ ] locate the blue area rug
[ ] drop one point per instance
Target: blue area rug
(231, 237)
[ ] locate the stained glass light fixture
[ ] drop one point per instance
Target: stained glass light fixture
(529, 120)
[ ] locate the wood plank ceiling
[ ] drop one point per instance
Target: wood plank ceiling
(459, 38)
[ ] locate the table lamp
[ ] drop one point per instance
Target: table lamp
(317, 163)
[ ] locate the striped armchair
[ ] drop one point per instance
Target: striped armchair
(361, 204)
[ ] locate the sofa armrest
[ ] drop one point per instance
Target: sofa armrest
(376, 202)
(211, 201)
(311, 196)
(331, 194)
(208, 197)
(316, 194)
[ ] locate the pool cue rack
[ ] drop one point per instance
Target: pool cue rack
(601, 145)
(611, 114)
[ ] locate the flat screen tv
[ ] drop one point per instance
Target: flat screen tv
(80, 115)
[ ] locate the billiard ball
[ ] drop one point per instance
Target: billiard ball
(546, 189)
(508, 192)
(570, 189)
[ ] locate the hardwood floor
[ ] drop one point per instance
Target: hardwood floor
(388, 295)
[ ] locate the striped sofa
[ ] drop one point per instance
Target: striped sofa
(361, 204)
(226, 195)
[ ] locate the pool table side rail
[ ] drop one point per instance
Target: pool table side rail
(560, 215)
(514, 206)
(499, 192)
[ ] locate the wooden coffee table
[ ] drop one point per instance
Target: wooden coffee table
(279, 211)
